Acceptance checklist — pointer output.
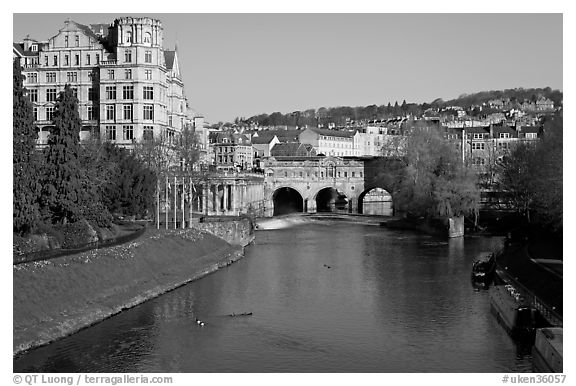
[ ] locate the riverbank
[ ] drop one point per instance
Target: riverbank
(55, 298)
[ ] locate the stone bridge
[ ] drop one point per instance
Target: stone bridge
(316, 184)
(288, 185)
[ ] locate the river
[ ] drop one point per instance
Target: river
(326, 296)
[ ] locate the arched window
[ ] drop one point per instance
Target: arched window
(147, 37)
(128, 37)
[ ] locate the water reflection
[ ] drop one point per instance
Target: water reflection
(325, 297)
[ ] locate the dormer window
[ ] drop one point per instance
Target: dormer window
(34, 48)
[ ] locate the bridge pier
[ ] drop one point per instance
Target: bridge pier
(310, 205)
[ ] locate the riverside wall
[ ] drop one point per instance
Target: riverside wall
(58, 297)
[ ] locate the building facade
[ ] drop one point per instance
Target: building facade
(129, 88)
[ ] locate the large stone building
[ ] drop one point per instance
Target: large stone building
(128, 86)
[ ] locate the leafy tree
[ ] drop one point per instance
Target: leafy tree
(65, 190)
(434, 182)
(25, 188)
(531, 177)
(132, 186)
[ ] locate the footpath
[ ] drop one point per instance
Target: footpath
(57, 297)
(533, 265)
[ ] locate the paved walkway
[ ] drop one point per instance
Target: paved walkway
(545, 283)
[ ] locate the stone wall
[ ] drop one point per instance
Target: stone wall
(234, 230)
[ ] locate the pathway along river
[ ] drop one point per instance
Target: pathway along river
(390, 301)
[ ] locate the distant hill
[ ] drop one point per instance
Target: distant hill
(342, 115)
(514, 94)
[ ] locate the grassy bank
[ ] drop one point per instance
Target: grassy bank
(55, 298)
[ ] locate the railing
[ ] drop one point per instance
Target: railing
(545, 310)
(108, 62)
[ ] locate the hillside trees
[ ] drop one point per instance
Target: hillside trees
(26, 187)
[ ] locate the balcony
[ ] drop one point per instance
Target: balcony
(105, 63)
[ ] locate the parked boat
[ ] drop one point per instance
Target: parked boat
(514, 312)
(483, 269)
(547, 350)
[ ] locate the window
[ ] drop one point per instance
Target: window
(149, 112)
(478, 136)
(148, 92)
(110, 74)
(33, 95)
(65, 41)
(51, 95)
(75, 92)
(128, 37)
(478, 161)
(90, 112)
(88, 59)
(66, 60)
(128, 132)
(504, 135)
(345, 174)
(128, 56)
(55, 61)
(353, 174)
(127, 92)
(76, 41)
(127, 74)
(147, 37)
(76, 60)
(97, 58)
(46, 60)
(110, 112)
(531, 135)
(72, 77)
(35, 112)
(127, 109)
(111, 133)
(110, 92)
(148, 56)
(32, 77)
(148, 133)
(503, 146)
(170, 124)
(478, 146)
(51, 77)
(49, 113)
(148, 74)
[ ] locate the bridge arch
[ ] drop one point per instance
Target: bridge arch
(330, 199)
(287, 199)
(376, 200)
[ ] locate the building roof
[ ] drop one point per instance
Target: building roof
(476, 129)
(169, 59)
(263, 139)
(333, 133)
(530, 129)
(19, 47)
(87, 31)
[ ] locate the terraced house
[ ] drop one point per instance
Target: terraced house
(128, 86)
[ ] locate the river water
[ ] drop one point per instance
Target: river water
(326, 296)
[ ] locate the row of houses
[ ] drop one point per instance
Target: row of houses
(480, 146)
